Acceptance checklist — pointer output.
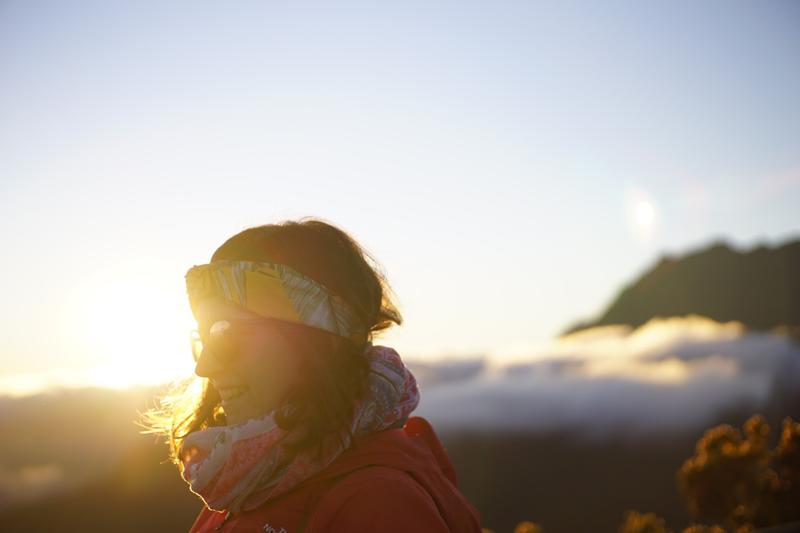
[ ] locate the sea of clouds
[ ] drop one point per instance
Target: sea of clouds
(670, 374)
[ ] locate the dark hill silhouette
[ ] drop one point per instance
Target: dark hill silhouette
(143, 493)
(759, 288)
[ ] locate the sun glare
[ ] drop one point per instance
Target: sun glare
(137, 333)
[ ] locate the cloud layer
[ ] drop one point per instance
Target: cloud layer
(667, 375)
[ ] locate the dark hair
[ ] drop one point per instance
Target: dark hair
(334, 368)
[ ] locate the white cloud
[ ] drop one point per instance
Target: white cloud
(669, 374)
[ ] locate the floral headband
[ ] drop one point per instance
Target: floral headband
(273, 290)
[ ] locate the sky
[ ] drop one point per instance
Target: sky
(510, 164)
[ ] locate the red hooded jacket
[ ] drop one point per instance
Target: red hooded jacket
(392, 481)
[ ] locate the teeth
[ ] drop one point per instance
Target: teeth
(229, 393)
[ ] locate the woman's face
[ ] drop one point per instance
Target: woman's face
(263, 370)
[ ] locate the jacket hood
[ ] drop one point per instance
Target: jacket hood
(418, 445)
(417, 450)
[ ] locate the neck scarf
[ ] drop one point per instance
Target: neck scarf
(240, 467)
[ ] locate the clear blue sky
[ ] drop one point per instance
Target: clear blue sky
(511, 164)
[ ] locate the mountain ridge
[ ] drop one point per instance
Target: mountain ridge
(759, 287)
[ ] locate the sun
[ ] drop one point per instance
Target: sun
(135, 331)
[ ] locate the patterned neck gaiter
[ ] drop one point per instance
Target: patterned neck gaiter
(226, 465)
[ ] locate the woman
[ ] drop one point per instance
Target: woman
(302, 423)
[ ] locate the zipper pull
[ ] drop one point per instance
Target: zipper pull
(222, 524)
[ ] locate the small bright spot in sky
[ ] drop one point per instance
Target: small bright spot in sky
(644, 213)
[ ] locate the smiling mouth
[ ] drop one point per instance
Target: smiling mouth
(230, 393)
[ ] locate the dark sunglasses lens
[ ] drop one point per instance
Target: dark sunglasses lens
(221, 342)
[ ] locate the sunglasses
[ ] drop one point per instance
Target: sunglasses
(223, 339)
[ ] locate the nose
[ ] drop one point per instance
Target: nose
(207, 365)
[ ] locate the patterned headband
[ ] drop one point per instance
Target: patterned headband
(273, 290)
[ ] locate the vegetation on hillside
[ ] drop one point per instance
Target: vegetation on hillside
(734, 482)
